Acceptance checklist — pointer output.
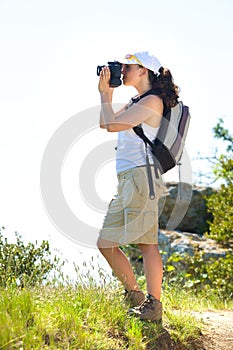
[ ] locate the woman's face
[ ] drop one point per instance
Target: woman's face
(131, 74)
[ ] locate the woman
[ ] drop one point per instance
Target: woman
(132, 216)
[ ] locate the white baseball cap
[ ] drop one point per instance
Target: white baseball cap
(144, 59)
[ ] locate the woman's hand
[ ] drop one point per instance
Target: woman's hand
(104, 80)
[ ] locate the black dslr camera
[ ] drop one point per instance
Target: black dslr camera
(115, 70)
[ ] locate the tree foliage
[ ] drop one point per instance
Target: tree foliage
(220, 204)
(221, 133)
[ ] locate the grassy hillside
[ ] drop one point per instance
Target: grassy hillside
(40, 308)
(93, 317)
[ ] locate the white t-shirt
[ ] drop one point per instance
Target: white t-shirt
(131, 148)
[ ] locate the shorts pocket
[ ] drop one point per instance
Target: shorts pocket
(150, 225)
(140, 224)
(139, 179)
(137, 182)
(133, 224)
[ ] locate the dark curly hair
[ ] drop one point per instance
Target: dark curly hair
(164, 87)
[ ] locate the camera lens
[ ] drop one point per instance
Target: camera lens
(99, 69)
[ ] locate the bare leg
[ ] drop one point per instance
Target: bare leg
(119, 263)
(153, 267)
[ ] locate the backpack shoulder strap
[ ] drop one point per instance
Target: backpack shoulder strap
(139, 131)
(138, 98)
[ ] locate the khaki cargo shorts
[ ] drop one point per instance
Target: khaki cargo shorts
(132, 217)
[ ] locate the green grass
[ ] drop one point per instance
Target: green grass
(92, 317)
(176, 297)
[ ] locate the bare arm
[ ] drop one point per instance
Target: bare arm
(109, 97)
(149, 108)
(104, 122)
(106, 94)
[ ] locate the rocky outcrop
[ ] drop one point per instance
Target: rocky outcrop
(185, 242)
(183, 208)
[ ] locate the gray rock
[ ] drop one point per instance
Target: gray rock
(183, 207)
(185, 242)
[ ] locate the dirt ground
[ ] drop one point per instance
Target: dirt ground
(218, 329)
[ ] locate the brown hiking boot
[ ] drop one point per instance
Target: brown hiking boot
(134, 297)
(149, 310)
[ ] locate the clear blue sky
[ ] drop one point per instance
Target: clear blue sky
(49, 53)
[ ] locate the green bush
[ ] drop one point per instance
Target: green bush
(24, 265)
(201, 273)
(220, 204)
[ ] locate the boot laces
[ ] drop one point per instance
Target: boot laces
(145, 303)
